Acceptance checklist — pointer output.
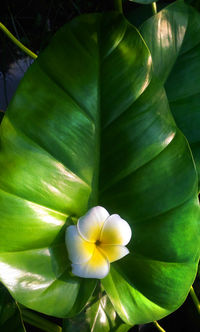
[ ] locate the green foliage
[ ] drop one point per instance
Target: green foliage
(53, 145)
(184, 98)
(10, 316)
(99, 315)
(91, 125)
(173, 39)
(164, 217)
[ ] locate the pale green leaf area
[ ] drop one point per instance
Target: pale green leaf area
(91, 125)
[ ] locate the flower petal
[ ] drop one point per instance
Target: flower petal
(79, 250)
(115, 231)
(97, 267)
(113, 252)
(90, 225)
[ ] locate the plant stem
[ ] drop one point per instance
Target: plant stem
(36, 320)
(118, 5)
(158, 326)
(21, 319)
(17, 42)
(195, 299)
(154, 8)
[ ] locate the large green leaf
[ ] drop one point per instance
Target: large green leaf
(157, 180)
(173, 38)
(50, 151)
(88, 126)
(10, 316)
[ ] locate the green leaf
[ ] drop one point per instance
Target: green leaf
(38, 321)
(50, 151)
(99, 315)
(156, 278)
(10, 316)
(185, 103)
(164, 34)
(173, 38)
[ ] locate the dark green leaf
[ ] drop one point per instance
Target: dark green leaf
(10, 316)
(38, 321)
(164, 34)
(173, 38)
(184, 98)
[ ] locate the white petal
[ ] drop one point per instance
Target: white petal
(79, 250)
(115, 231)
(90, 225)
(97, 267)
(113, 252)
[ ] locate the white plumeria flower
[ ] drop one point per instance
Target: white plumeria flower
(98, 240)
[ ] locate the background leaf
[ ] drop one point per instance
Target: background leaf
(99, 315)
(185, 103)
(173, 38)
(10, 316)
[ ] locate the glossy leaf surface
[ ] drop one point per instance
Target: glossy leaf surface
(185, 103)
(10, 316)
(88, 126)
(99, 315)
(160, 255)
(173, 38)
(50, 153)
